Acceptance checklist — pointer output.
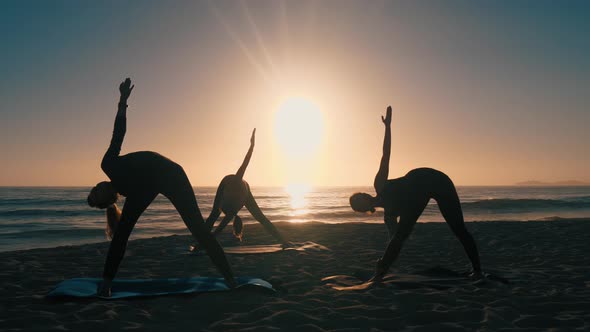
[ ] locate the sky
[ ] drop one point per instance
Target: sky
(491, 93)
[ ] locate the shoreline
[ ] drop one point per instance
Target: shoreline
(552, 219)
(545, 263)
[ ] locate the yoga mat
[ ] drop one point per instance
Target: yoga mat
(269, 248)
(436, 278)
(125, 288)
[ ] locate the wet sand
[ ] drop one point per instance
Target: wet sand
(546, 263)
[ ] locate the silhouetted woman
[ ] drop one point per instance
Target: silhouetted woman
(234, 193)
(406, 198)
(141, 176)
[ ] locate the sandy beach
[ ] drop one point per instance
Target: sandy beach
(546, 263)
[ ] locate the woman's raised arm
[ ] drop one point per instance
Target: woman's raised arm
(120, 121)
(383, 173)
(242, 169)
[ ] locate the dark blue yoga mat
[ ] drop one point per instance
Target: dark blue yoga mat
(122, 288)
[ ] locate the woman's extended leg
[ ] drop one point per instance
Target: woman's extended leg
(450, 208)
(182, 196)
(258, 215)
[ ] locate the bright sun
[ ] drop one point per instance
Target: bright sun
(299, 127)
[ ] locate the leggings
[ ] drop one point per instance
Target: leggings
(178, 190)
(442, 190)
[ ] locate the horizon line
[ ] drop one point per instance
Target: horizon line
(541, 184)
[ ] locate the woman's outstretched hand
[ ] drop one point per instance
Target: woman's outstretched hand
(379, 269)
(253, 137)
(125, 88)
(231, 282)
(287, 244)
(104, 289)
(387, 119)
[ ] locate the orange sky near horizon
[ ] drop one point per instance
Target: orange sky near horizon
(483, 99)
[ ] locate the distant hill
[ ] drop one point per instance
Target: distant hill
(558, 183)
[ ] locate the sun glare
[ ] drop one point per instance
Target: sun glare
(299, 127)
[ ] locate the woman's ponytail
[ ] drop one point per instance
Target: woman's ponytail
(238, 228)
(113, 216)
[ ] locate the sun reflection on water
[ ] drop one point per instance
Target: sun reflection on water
(298, 201)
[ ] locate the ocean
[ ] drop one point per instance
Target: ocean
(44, 217)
